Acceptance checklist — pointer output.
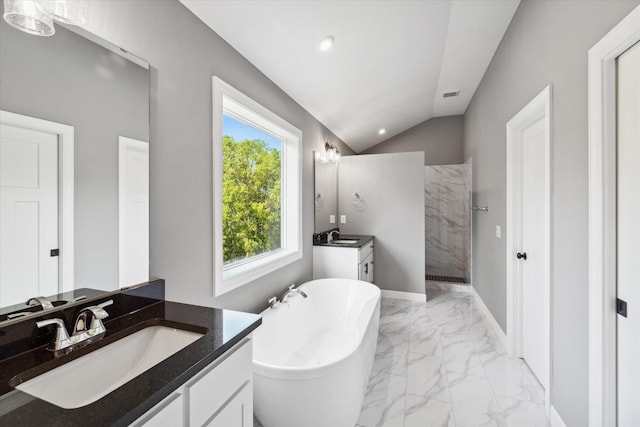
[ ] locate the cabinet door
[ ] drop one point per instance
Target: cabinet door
(211, 390)
(238, 412)
(366, 269)
(166, 413)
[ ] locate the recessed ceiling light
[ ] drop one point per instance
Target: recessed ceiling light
(382, 131)
(326, 43)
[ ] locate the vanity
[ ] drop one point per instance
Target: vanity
(347, 257)
(208, 380)
(74, 125)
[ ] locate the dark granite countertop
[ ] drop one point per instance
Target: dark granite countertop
(222, 329)
(362, 240)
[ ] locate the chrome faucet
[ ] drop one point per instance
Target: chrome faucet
(330, 237)
(41, 301)
(82, 335)
(292, 290)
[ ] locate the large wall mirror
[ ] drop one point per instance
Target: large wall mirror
(325, 194)
(74, 166)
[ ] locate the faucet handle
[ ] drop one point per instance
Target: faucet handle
(273, 302)
(61, 330)
(105, 304)
(97, 314)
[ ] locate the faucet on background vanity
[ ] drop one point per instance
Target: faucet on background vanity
(88, 328)
(330, 236)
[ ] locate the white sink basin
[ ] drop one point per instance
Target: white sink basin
(90, 377)
(344, 241)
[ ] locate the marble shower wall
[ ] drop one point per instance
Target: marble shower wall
(447, 220)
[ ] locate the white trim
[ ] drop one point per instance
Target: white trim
(602, 217)
(539, 107)
(125, 144)
(83, 32)
(65, 188)
(454, 287)
(409, 296)
(492, 320)
(554, 418)
(227, 99)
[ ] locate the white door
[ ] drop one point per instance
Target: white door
(532, 248)
(628, 241)
(28, 214)
(133, 219)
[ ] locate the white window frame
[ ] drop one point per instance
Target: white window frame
(230, 101)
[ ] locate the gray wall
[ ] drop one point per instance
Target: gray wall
(71, 80)
(184, 54)
(392, 188)
(440, 138)
(546, 43)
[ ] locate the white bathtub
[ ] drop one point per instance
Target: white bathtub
(312, 356)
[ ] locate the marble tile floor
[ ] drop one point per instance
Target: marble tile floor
(439, 363)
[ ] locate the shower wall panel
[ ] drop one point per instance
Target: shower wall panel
(447, 225)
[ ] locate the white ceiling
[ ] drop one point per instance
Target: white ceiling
(388, 68)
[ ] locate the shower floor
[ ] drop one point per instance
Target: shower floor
(449, 279)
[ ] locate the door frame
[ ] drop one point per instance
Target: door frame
(124, 144)
(539, 107)
(602, 217)
(65, 188)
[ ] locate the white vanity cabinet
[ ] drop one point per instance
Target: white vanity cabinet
(334, 261)
(221, 395)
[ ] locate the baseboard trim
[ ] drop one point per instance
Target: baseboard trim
(411, 296)
(453, 287)
(554, 418)
(492, 321)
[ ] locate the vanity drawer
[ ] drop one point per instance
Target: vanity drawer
(209, 392)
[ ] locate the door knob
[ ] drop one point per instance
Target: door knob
(522, 255)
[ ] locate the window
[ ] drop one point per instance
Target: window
(256, 191)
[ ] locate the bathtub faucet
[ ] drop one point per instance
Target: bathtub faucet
(292, 289)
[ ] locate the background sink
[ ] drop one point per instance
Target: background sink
(90, 377)
(344, 241)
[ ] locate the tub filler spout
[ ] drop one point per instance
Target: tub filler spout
(292, 290)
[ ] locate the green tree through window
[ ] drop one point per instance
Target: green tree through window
(251, 209)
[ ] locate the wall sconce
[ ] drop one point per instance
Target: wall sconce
(333, 154)
(36, 16)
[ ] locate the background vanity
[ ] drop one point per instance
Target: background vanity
(345, 260)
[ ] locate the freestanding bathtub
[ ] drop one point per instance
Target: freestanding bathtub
(312, 356)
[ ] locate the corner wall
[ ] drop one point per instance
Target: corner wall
(440, 138)
(392, 209)
(546, 43)
(184, 54)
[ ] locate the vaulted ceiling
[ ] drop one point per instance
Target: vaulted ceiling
(389, 65)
